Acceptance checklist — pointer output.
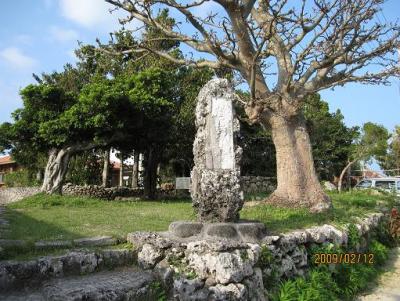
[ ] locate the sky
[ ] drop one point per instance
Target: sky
(40, 36)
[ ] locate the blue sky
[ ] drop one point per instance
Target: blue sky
(40, 36)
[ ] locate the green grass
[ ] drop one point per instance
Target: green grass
(346, 207)
(44, 217)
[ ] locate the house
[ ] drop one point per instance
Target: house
(7, 165)
(127, 175)
(365, 174)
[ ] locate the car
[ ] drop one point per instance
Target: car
(390, 184)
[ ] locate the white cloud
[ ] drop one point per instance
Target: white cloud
(94, 14)
(63, 35)
(88, 13)
(15, 57)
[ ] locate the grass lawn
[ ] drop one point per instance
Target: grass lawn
(63, 217)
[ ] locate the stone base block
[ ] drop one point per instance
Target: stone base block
(245, 231)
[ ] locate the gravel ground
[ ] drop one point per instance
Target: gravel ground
(388, 288)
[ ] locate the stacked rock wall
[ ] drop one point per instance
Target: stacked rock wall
(19, 274)
(13, 194)
(256, 184)
(249, 184)
(100, 192)
(221, 269)
(110, 193)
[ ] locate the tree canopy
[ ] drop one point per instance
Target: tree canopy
(391, 161)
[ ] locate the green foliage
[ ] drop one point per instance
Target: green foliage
(391, 160)
(85, 169)
(181, 266)
(382, 234)
(380, 252)
(266, 257)
(158, 290)
(267, 261)
(321, 249)
(354, 237)
(334, 282)
(21, 178)
(317, 286)
(331, 141)
(372, 143)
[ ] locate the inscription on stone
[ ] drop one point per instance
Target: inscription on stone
(215, 189)
(220, 153)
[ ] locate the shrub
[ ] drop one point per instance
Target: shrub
(354, 237)
(21, 178)
(317, 286)
(336, 281)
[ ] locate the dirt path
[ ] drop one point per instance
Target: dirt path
(388, 288)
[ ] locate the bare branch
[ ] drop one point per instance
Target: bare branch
(316, 44)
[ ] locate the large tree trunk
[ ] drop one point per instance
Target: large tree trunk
(106, 168)
(56, 169)
(150, 173)
(135, 170)
(298, 184)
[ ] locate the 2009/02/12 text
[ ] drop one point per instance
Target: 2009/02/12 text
(343, 258)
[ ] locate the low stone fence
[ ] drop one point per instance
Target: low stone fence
(20, 274)
(110, 193)
(101, 192)
(13, 194)
(226, 261)
(256, 184)
(250, 184)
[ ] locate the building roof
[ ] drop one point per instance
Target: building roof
(6, 160)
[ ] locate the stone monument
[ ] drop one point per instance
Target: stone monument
(216, 192)
(216, 257)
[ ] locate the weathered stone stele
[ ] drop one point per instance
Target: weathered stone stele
(216, 192)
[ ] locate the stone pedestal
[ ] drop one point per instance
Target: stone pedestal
(216, 192)
(205, 261)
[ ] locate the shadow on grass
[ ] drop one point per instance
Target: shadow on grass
(23, 226)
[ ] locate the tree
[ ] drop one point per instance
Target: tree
(95, 120)
(391, 161)
(84, 168)
(371, 144)
(331, 139)
(331, 142)
(311, 46)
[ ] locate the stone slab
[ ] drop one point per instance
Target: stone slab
(19, 274)
(185, 229)
(10, 243)
(48, 244)
(120, 285)
(125, 284)
(95, 241)
(245, 231)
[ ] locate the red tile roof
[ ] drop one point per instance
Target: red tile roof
(6, 160)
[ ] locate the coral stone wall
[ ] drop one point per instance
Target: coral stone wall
(256, 184)
(195, 268)
(13, 194)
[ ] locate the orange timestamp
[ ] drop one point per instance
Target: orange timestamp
(343, 258)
